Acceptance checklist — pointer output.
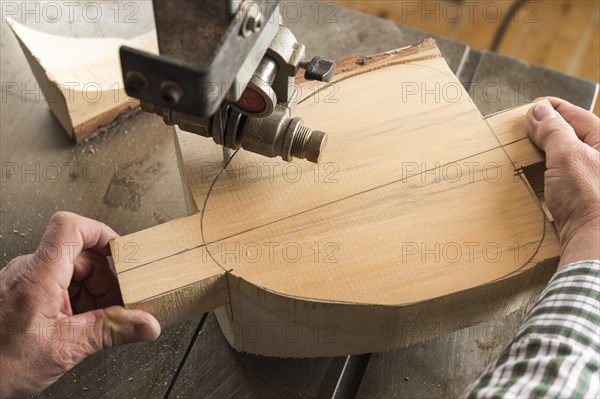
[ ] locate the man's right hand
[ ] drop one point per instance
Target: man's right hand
(570, 137)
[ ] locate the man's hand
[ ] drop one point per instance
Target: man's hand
(61, 304)
(570, 137)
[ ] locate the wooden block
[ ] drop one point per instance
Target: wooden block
(81, 77)
(509, 127)
(413, 226)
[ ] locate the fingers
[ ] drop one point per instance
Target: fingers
(93, 270)
(94, 285)
(100, 329)
(83, 301)
(66, 236)
(549, 131)
(585, 123)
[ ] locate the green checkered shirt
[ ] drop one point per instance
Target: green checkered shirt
(556, 352)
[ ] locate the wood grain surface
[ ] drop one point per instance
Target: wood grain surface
(78, 77)
(393, 224)
(154, 196)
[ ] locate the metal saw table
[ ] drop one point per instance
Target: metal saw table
(128, 178)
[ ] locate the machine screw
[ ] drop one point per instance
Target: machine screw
(171, 92)
(252, 20)
(135, 82)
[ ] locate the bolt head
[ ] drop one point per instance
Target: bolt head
(135, 82)
(315, 147)
(171, 92)
(252, 21)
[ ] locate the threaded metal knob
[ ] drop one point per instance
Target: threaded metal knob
(307, 143)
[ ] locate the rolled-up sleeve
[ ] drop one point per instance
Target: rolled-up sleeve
(556, 352)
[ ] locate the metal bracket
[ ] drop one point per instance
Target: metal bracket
(208, 52)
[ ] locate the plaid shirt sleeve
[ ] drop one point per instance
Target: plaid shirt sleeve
(556, 352)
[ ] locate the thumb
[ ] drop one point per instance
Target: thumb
(93, 331)
(549, 131)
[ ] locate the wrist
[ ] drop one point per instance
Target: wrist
(8, 388)
(583, 244)
(15, 381)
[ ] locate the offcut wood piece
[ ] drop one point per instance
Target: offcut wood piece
(417, 223)
(80, 77)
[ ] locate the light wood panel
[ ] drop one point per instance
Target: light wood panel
(415, 218)
(80, 77)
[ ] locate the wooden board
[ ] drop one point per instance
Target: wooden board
(80, 77)
(145, 135)
(441, 368)
(414, 222)
(214, 370)
(145, 190)
(83, 179)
